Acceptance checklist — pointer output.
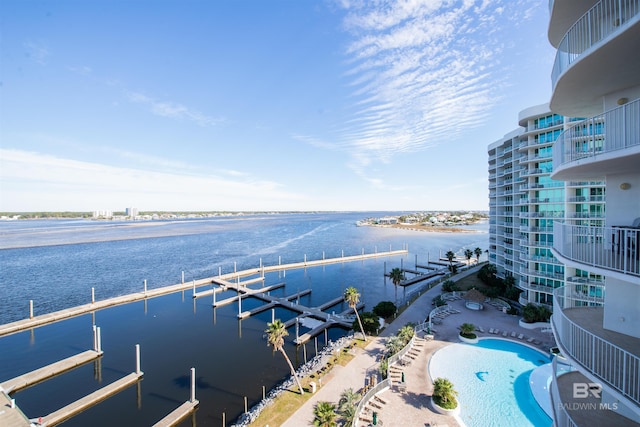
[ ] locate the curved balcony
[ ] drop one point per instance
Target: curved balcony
(598, 44)
(599, 145)
(606, 249)
(612, 357)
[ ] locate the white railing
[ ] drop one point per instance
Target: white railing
(603, 19)
(561, 416)
(382, 385)
(610, 248)
(613, 130)
(614, 365)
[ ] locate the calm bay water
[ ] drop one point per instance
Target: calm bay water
(56, 263)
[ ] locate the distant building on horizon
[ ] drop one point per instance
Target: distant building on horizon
(102, 214)
(132, 212)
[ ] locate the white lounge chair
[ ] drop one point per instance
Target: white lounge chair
(521, 336)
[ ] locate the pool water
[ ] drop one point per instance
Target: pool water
(492, 381)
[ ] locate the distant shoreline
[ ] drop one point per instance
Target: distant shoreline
(423, 228)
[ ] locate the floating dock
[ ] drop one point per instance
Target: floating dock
(49, 371)
(89, 400)
(422, 277)
(10, 414)
(178, 414)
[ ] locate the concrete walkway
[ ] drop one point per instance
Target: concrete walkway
(409, 406)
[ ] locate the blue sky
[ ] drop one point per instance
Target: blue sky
(262, 105)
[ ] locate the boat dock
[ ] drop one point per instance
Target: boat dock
(39, 320)
(10, 414)
(34, 377)
(426, 267)
(89, 400)
(422, 277)
(272, 302)
(178, 414)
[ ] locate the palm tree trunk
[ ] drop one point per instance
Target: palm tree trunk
(293, 371)
(360, 323)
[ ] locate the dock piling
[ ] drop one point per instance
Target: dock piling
(145, 287)
(30, 309)
(183, 277)
(193, 385)
(99, 340)
(138, 359)
(93, 295)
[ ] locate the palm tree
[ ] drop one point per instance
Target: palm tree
(467, 330)
(347, 406)
(468, 253)
(276, 332)
(352, 297)
(406, 333)
(393, 345)
(450, 256)
(325, 414)
(396, 276)
(444, 394)
(478, 252)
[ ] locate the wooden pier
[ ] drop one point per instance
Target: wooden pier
(10, 414)
(422, 277)
(246, 292)
(89, 400)
(32, 322)
(178, 414)
(49, 371)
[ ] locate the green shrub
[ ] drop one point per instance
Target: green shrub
(449, 286)
(532, 313)
(385, 309)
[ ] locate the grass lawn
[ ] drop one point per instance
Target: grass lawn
(471, 281)
(289, 402)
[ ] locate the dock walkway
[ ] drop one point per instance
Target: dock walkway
(49, 371)
(178, 414)
(89, 400)
(39, 320)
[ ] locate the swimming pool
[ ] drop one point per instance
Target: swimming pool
(492, 381)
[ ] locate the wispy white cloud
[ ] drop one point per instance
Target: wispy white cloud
(37, 52)
(34, 181)
(422, 72)
(173, 110)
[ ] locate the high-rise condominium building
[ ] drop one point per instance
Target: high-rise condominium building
(596, 76)
(524, 202)
(564, 194)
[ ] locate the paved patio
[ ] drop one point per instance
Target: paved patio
(409, 406)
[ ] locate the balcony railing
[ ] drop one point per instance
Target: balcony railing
(614, 365)
(603, 19)
(610, 248)
(616, 129)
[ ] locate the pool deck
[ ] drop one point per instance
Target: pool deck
(409, 406)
